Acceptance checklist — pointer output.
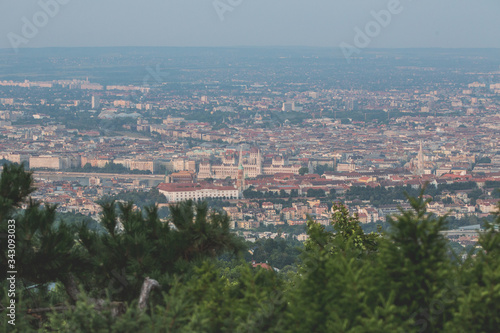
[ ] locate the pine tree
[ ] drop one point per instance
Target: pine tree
(112, 265)
(347, 281)
(478, 291)
(135, 246)
(414, 264)
(44, 249)
(334, 290)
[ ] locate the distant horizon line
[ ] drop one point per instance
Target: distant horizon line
(245, 47)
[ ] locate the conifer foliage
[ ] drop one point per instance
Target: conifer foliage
(143, 274)
(137, 245)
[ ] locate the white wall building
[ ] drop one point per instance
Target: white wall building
(188, 191)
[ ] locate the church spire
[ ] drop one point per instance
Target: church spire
(240, 160)
(420, 165)
(241, 174)
(259, 162)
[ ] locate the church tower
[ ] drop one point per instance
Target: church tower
(310, 167)
(240, 180)
(240, 158)
(420, 162)
(259, 163)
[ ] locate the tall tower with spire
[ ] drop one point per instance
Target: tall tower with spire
(259, 163)
(420, 162)
(241, 173)
(240, 158)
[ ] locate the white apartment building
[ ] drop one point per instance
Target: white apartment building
(188, 191)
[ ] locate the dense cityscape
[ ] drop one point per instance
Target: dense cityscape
(268, 153)
(250, 190)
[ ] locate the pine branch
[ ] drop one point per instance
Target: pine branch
(54, 308)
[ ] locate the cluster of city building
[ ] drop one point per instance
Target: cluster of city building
(438, 137)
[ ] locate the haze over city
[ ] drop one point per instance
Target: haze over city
(325, 23)
(249, 166)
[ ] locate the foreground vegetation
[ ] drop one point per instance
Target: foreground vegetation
(140, 274)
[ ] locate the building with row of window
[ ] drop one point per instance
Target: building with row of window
(175, 192)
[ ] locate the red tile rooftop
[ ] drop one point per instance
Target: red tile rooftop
(263, 265)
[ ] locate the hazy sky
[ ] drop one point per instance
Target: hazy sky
(414, 23)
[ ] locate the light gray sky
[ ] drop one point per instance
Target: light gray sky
(419, 23)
